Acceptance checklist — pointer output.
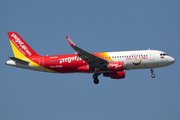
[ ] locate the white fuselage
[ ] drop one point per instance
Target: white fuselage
(142, 59)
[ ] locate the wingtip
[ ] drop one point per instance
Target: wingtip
(70, 41)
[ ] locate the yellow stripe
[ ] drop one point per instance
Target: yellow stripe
(105, 54)
(109, 58)
(16, 52)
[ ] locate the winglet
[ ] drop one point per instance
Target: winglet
(70, 41)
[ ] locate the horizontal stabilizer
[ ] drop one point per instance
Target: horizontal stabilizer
(17, 60)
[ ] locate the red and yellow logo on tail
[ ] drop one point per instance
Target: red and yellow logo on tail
(19, 46)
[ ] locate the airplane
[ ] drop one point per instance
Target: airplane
(109, 64)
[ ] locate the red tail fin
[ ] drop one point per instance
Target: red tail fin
(19, 46)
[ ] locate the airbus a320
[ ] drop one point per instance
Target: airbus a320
(109, 64)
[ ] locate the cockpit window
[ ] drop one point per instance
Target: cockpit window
(163, 54)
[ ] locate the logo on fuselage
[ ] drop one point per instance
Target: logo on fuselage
(137, 58)
(69, 59)
(137, 63)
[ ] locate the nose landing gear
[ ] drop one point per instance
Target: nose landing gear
(152, 75)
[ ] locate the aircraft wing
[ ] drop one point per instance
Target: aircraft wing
(86, 56)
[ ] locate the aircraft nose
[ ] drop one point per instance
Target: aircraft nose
(171, 60)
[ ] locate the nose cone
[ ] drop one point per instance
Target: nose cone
(171, 60)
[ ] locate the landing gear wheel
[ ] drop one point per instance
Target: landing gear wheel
(153, 75)
(95, 77)
(96, 81)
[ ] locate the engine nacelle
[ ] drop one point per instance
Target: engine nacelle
(115, 75)
(115, 66)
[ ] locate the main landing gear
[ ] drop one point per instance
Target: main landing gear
(95, 75)
(152, 75)
(96, 80)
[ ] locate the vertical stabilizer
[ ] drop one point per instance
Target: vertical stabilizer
(20, 48)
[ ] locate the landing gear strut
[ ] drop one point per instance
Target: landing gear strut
(96, 80)
(152, 75)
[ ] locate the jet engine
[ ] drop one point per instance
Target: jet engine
(115, 75)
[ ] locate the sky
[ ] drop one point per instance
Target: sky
(95, 26)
